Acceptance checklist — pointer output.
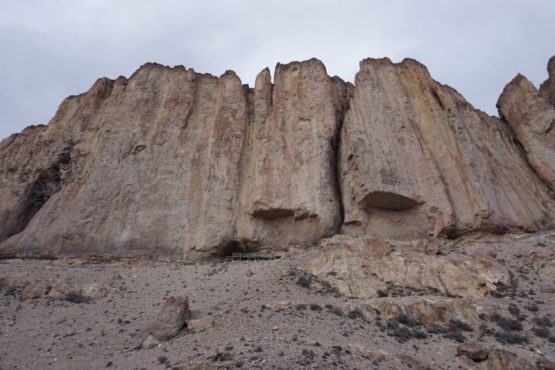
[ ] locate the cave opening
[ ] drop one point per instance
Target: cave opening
(232, 246)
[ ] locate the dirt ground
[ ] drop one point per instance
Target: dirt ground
(271, 319)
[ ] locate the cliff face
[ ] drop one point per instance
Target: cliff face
(175, 164)
(418, 160)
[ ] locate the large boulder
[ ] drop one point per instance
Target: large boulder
(172, 319)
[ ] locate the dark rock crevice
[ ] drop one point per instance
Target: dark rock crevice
(48, 183)
(345, 91)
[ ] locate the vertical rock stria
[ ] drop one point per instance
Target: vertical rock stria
(417, 160)
(289, 194)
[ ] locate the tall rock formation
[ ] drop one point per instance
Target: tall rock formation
(418, 160)
(531, 115)
(290, 193)
(152, 166)
(175, 164)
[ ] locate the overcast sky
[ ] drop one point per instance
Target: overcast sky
(52, 49)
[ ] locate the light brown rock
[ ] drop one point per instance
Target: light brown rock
(428, 310)
(138, 167)
(150, 343)
(362, 267)
(198, 325)
(95, 290)
(289, 192)
(61, 288)
(173, 164)
(500, 359)
(416, 159)
(171, 319)
(35, 289)
(532, 119)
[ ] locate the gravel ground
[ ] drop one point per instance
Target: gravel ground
(273, 318)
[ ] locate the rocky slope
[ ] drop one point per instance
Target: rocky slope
(175, 164)
(73, 314)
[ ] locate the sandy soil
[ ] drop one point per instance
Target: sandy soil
(263, 321)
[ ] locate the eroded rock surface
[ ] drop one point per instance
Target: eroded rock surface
(365, 267)
(532, 118)
(170, 163)
(417, 160)
(289, 190)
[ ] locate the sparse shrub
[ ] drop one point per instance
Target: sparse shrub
(507, 337)
(301, 306)
(382, 294)
(408, 321)
(392, 325)
(507, 324)
(336, 350)
(11, 291)
(162, 359)
(419, 334)
(303, 281)
(436, 329)
(355, 314)
(334, 309)
(543, 321)
(541, 331)
(455, 334)
(514, 309)
(457, 324)
(315, 307)
(75, 297)
(258, 349)
(402, 334)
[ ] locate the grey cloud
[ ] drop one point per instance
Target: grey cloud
(58, 48)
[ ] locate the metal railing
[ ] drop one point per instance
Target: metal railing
(250, 257)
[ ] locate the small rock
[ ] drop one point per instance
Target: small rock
(172, 318)
(95, 291)
(473, 352)
(60, 289)
(150, 343)
(484, 253)
(249, 272)
(198, 325)
(35, 289)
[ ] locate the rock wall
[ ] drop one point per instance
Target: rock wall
(175, 164)
(418, 160)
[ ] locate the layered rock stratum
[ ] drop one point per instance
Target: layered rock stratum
(175, 164)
